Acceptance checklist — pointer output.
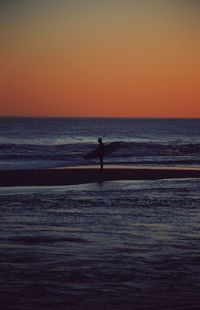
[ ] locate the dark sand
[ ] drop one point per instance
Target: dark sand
(90, 174)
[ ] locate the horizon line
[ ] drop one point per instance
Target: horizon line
(98, 117)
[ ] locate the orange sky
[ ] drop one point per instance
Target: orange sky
(102, 59)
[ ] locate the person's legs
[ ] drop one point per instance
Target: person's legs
(101, 162)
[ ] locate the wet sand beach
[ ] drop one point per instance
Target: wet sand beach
(89, 174)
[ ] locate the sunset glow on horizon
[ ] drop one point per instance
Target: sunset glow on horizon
(100, 58)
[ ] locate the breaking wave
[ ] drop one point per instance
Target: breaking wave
(37, 155)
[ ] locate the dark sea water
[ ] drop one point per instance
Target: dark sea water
(53, 142)
(113, 245)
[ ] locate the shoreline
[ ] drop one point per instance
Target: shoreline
(92, 174)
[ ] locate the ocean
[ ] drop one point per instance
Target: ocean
(112, 245)
(56, 142)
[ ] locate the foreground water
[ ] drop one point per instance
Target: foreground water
(116, 245)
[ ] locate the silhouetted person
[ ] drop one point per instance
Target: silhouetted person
(101, 152)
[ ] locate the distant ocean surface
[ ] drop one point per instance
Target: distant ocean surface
(54, 142)
(132, 245)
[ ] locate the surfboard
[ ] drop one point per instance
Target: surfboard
(108, 148)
